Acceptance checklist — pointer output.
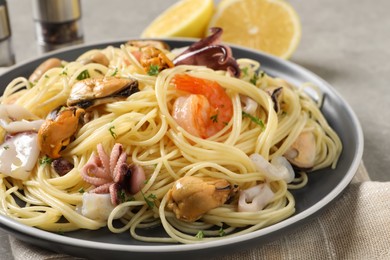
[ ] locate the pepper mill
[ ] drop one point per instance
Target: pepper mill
(57, 23)
(7, 57)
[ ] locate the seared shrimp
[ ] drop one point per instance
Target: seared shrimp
(205, 110)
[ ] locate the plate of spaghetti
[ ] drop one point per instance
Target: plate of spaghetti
(168, 146)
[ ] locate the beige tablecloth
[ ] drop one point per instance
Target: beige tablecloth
(357, 226)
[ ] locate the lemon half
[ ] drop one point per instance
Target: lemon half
(271, 26)
(186, 18)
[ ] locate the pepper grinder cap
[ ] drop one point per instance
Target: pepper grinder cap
(5, 30)
(56, 11)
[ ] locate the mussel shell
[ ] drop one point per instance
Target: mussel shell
(92, 92)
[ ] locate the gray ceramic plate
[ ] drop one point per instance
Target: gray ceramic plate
(323, 188)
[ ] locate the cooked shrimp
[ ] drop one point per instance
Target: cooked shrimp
(206, 110)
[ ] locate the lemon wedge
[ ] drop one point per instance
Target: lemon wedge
(271, 26)
(186, 18)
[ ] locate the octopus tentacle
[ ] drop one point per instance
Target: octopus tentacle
(120, 172)
(113, 189)
(109, 173)
(102, 188)
(115, 154)
(94, 180)
(105, 161)
(94, 168)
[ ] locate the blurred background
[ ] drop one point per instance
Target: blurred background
(345, 42)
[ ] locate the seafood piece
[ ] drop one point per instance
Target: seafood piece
(276, 96)
(153, 60)
(249, 105)
(302, 152)
(255, 198)
(18, 155)
(210, 53)
(206, 110)
(98, 206)
(62, 166)
(278, 169)
(96, 91)
(16, 119)
(96, 57)
(55, 133)
(191, 197)
(18, 137)
(147, 43)
(43, 67)
(111, 174)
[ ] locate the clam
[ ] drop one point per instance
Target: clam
(92, 92)
(302, 152)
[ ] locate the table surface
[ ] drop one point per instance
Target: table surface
(344, 42)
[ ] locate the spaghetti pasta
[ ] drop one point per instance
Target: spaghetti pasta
(152, 138)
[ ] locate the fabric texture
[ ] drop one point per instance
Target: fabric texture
(355, 226)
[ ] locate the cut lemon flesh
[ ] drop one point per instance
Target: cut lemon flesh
(271, 26)
(186, 18)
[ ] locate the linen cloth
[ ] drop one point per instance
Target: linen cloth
(355, 226)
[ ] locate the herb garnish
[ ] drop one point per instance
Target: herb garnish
(149, 199)
(112, 132)
(214, 118)
(123, 197)
(200, 234)
(45, 160)
(254, 119)
(245, 71)
(64, 73)
(254, 79)
(115, 72)
(81, 190)
(221, 232)
(6, 147)
(153, 70)
(83, 75)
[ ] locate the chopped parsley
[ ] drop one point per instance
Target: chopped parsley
(254, 79)
(150, 199)
(115, 72)
(112, 132)
(123, 196)
(245, 71)
(199, 235)
(262, 74)
(221, 232)
(81, 190)
(254, 119)
(6, 147)
(153, 70)
(64, 73)
(214, 118)
(45, 160)
(83, 75)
